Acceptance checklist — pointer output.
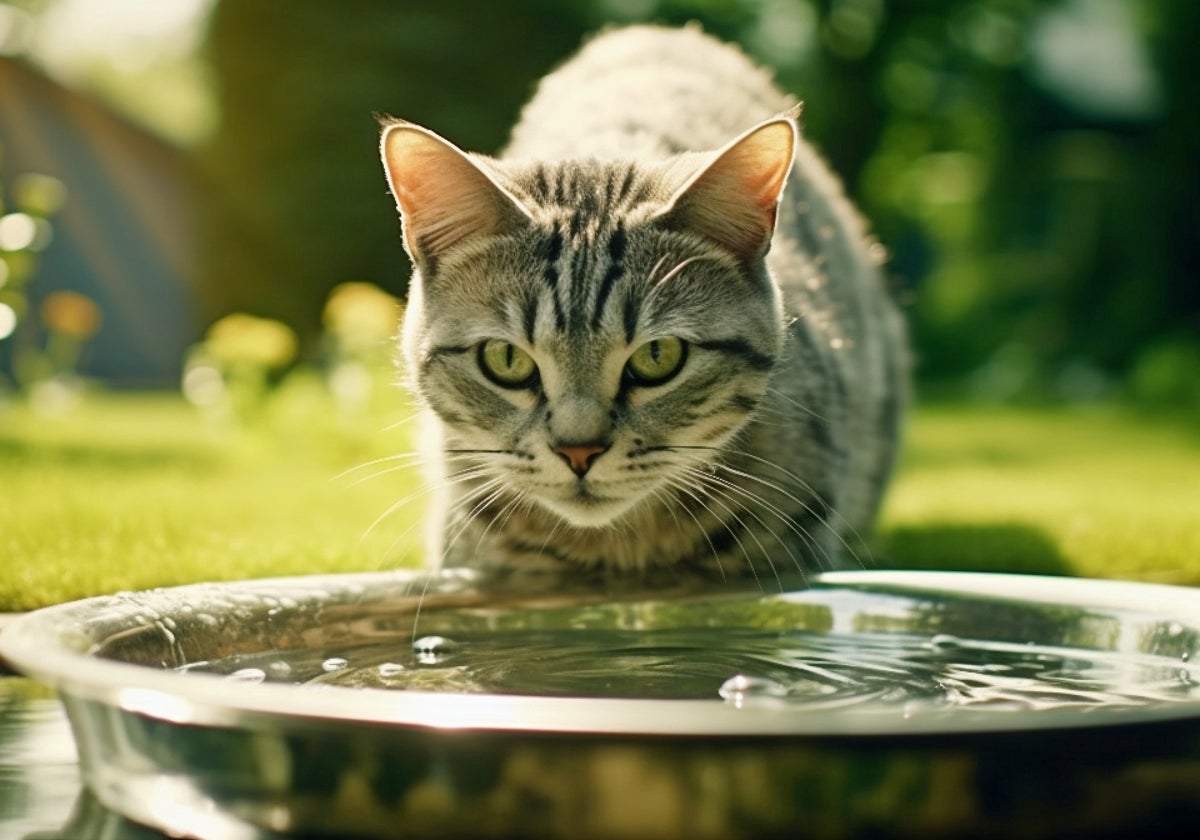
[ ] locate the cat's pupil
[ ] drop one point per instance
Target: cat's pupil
(508, 356)
(655, 351)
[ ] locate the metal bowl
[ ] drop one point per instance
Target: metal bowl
(195, 755)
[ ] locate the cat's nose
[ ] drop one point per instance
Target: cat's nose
(580, 456)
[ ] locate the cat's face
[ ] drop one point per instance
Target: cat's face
(588, 333)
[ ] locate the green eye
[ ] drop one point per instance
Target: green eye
(506, 364)
(656, 361)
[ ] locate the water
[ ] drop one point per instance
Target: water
(39, 779)
(743, 667)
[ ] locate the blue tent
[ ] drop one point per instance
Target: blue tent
(125, 236)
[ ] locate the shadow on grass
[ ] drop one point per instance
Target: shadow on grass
(986, 547)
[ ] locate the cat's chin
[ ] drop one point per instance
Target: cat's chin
(588, 510)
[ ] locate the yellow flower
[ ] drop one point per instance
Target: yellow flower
(361, 315)
(72, 314)
(241, 339)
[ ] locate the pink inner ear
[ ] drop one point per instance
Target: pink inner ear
(767, 159)
(444, 197)
(733, 201)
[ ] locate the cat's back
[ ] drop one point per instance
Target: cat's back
(646, 91)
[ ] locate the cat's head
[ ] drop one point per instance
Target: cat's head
(589, 331)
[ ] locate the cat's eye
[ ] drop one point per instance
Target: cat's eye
(506, 364)
(656, 361)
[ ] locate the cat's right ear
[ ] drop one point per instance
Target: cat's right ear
(444, 196)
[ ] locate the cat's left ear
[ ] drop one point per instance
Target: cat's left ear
(733, 200)
(445, 196)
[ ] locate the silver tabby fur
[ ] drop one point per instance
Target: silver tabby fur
(767, 454)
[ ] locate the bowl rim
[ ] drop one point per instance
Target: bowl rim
(35, 645)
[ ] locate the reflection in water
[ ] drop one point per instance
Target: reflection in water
(745, 667)
(39, 778)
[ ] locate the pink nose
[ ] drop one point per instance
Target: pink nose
(579, 457)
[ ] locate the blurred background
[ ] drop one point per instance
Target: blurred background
(1029, 164)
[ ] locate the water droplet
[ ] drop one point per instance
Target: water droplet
(430, 650)
(333, 663)
(431, 644)
(390, 669)
(945, 640)
(247, 675)
(738, 689)
(280, 669)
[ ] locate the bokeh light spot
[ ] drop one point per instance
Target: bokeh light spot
(8, 321)
(18, 231)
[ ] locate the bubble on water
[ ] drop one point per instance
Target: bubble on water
(333, 663)
(742, 688)
(390, 669)
(944, 641)
(247, 675)
(280, 669)
(431, 650)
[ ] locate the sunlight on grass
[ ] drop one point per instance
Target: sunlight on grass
(136, 492)
(139, 492)
(1095, 492)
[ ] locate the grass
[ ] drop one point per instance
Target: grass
(1097, 492)
(132, 492)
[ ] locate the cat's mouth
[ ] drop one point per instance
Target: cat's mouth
(584, 505)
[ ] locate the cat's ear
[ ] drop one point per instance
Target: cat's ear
(444, 196)
(733, 199)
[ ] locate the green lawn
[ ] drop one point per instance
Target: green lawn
(131, 492)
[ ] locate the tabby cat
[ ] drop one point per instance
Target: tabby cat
(634, 349)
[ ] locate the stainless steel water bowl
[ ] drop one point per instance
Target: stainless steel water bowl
(196, 754)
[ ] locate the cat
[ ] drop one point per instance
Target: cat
(652, 335)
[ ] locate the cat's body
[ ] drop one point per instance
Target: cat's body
(614, 377)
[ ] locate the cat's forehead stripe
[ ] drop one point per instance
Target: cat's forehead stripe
(616, 267)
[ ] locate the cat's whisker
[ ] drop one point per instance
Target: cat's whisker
(679, 269)
(668, 502)
(396, 463)
(787, 519)
(797, 404)
(726, 525)
(403, 421)
(663, 260)
(380, 473)
(807, 487)
(677, 484)
(720, 490)
(490, 491)
(424, 489)
(732, 488)
(803, 485)
(503, 514)
(403, 458)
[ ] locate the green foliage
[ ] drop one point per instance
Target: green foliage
(297, 201)
(1030, 166)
